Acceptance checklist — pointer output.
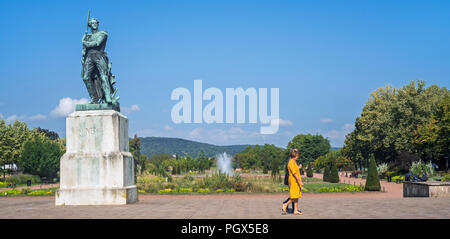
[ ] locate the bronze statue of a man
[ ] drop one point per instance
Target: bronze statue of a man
(96, 71)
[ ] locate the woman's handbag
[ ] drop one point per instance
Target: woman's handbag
(286, 177)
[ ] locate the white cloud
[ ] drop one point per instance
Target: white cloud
(1, 116)
(13, 118)
(348, 127)
(281, 122)
(67, 106)
(37, 117)
(229, 134)
(130, 109)
(337, 137)
(326, 120)
(196, 133)
(168, 127)
(331, 134)
(135, 108)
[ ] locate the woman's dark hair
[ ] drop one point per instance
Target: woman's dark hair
(293, 152)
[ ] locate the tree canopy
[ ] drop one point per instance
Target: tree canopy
(310, 147)
(266, 157)
(36, 151)
(40, 155)
(401, 120)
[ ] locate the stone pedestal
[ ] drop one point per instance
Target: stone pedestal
(426, 189)
(97, 168)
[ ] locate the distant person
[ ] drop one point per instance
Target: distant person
(295, 182)
(300, 166)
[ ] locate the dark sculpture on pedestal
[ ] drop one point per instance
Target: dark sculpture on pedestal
(96, 70)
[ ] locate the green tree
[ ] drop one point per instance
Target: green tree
(139, 159)
(372, 181)
(310, 147)
(41, 155)
(266, 157)
(48, 133)
(355, 149)
(143, 163)
(389, 121)
(12, 138)
(336, 156)
(433, 137)
(442, 138)
(158, 165)
(5, 147)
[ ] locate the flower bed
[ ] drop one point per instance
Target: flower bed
(28, 192)
(219, 183)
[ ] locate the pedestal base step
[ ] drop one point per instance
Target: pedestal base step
(96, 196)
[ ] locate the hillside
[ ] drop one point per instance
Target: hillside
(158, 145)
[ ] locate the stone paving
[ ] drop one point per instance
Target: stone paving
(236, 206)
(379, 205)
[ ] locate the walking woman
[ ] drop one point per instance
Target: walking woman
(295, 182)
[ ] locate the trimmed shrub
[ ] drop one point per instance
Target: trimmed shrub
(334, 175)
(326, 173)
(372, 181)
(309, 171)
(22, 179)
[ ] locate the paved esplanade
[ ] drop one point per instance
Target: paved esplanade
(254, 206)
(385, 205)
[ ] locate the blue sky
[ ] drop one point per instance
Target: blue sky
(324, 56)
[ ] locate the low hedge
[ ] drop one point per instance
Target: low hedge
(22, 179)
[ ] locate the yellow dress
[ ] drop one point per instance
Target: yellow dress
(294, 187)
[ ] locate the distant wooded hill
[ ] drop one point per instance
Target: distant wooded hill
(159, 145)
(162, 145)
